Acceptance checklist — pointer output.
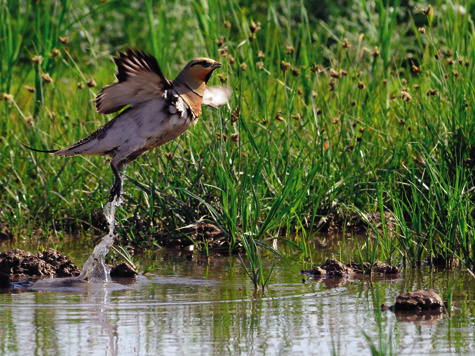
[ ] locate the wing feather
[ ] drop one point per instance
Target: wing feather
(139, 79)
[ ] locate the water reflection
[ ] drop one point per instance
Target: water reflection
(211, 309)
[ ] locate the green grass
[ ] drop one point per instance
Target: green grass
(327, 124)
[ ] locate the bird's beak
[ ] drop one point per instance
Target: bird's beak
(217, 65)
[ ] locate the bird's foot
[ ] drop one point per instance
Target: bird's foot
(115, 191)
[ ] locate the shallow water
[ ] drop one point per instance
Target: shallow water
(192, 307)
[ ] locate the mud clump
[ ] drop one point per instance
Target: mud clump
(50, 263)
(419, 300)
(334, 268)
(377, 267)
(123, 270)
(331, 268)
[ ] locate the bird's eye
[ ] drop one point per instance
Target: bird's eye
(205, 64)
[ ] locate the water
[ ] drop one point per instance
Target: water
(95, 268)
(193, 307)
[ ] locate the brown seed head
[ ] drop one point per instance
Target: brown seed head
(416, 69)
(227, 24)
(220, 41)
(46, 78)
(346, 43)
(375, 52)
(405, 96)
(296, 116)
(235, 137)
(243, 66)
(223, 136)
(6, 96)
(361, 86)
(289, 50)
(316, 68)
(455, 73)
(37, 59)
(91, 83)
(335, 120)
(221, 78)
(261, 55)
(169, 156)
(285, 66)
(260, 65)
(63, 40)
(30, 89)
(55, 53)
(451, 62)
(255, 27)
(416, 86)
(231, 59)
(81, 85)
(299, 91)
(223, 51)
(279, 117)
(235, 115)
(30, 121)
(422, 30)
(295, 72)
(334, 74)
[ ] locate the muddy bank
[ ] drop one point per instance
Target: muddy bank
(19, 264)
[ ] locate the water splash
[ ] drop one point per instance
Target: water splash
(95, 268)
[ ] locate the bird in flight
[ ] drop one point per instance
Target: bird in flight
(158, 110)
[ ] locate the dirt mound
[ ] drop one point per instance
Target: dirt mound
(334, 268)
(50, 263)
(331, 268)
(419, 300)
(123, 270)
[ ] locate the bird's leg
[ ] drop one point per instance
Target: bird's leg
(117, 186)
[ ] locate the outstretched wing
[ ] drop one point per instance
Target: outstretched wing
(216, 95)
(140, 79)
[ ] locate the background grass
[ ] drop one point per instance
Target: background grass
(340, 109)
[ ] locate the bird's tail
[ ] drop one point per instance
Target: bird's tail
(37, 150)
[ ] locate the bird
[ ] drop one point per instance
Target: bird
(159, 110)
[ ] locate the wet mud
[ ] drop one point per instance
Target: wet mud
(423, 305)
(18, 264)
(334, 268)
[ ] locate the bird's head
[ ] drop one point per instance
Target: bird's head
(196, 74)
(201, 68)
